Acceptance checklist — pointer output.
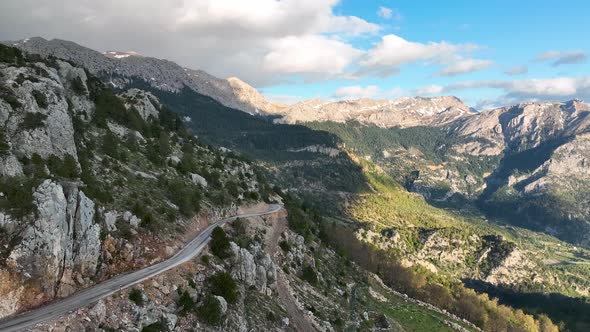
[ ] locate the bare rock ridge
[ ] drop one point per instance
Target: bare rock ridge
(121, 67)
(403, 112)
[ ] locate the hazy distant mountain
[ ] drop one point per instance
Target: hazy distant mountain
(403, 112)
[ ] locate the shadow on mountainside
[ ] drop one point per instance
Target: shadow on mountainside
(573, 312)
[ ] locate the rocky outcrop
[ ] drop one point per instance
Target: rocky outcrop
(331, 152)
(253, 267)
(60, 249)
(44, 129)
(144, 102)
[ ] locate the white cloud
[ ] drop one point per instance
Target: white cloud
(223, 37)
(547, 56)
(309, 54)
(388, 13)
(385, 12)
(563, 58)
(356, 92)
(527, 89)
(393, 51)
(517, 70)
(429, 90)
(465, 66)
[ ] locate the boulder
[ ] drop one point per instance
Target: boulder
(222, 304)
(197, 179)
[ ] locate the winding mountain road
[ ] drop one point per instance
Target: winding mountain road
(93, 294)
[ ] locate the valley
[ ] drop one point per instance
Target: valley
(413, 214)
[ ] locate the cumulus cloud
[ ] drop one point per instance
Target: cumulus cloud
(356, 92)
(309, 54)
(563, 58)
(393, 51)
(527, 89)
(223, 37)
(465, 66)
(517, 70)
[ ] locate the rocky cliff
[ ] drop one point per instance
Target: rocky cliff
(92, 183)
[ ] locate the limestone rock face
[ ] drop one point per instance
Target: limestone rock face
(54, 133)
(62, 244)
(144, 102)
(10, 166)
(253, 267)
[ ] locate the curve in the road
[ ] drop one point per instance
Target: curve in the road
(106, 288)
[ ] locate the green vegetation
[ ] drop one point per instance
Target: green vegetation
(78, 86)
(285, 246)
(220, 243)
(187, 197)
(222, 284)
(4, 146)
(186, 302)
(155, 327)
(18, 196)
(66, 168)
(11, 55)
(8, 96)
(308, 274)
(40, 98)
(33, 121)
(136, 296)
(210, 311)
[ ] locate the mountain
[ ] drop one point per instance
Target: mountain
(96, 183)
(354, 193)
(401, 112)
(526, 163)
(120, 68)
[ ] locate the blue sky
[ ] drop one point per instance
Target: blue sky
(509, 33)
(340, 49)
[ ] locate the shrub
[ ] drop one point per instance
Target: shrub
(205, 259)
(219, 243)
(68, 168)
(186, 302)
(33, 121)
(40, 98)
(187, 197)
(9, 97)
(11, 55)
(78, 86)
(4, 146)
(18, 196)
(110, 145)
(210, 311)
(136, 296)
(308, 274)
(222, 284)
(155, 327)
(285, 246)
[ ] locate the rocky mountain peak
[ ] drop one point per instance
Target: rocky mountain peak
(122, 68)
(404, 111)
